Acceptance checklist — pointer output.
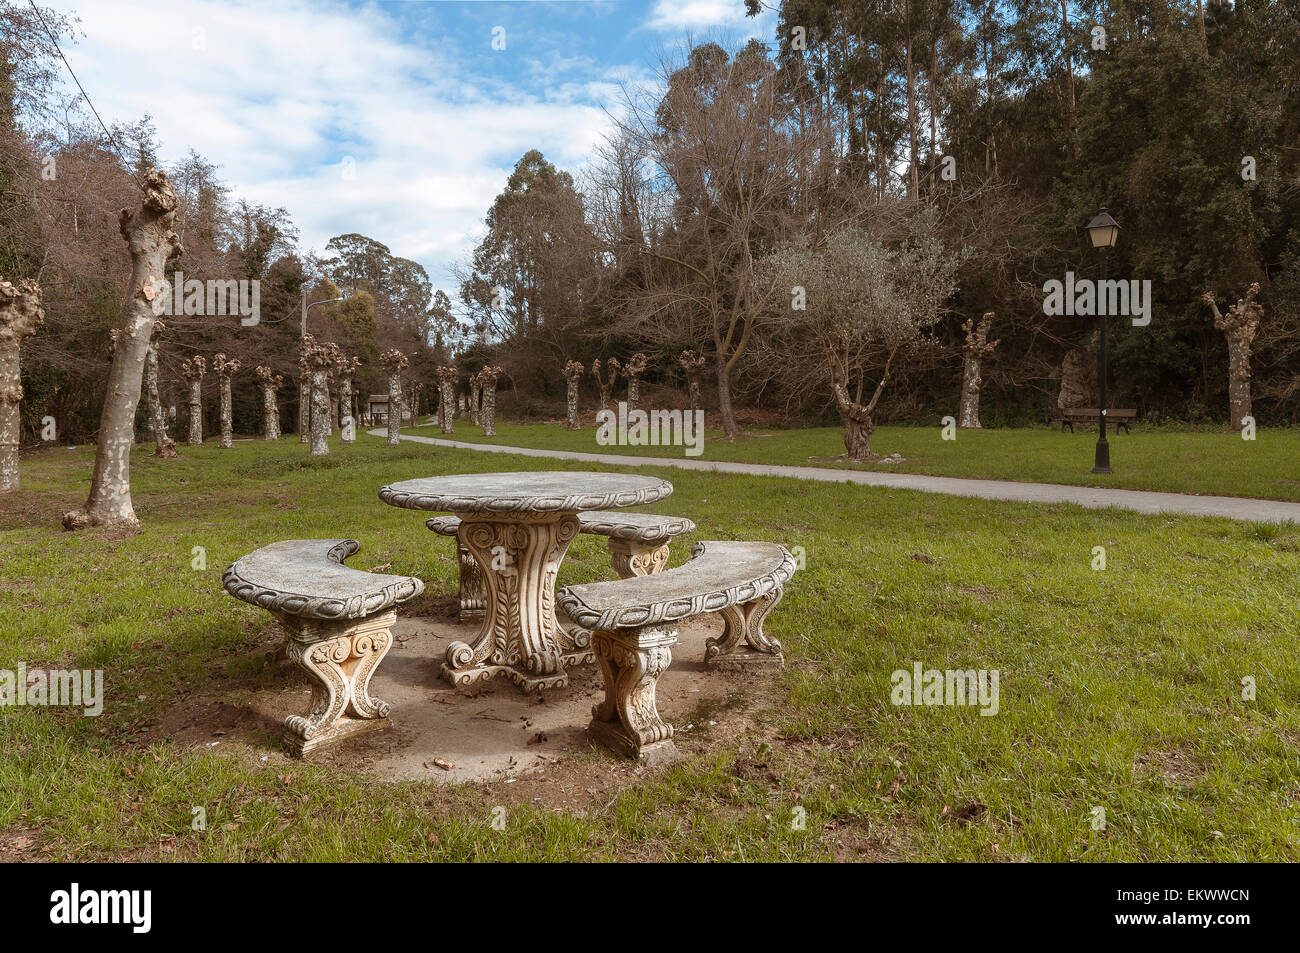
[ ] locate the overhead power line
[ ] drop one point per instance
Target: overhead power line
(85, 95)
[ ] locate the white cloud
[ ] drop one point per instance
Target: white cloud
(277, 95)
(696, 14)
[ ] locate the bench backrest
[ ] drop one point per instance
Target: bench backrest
(721, 574)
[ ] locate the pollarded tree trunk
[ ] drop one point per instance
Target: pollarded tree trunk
(633, 370)
(193, 370)
(151, 242)
(332, 387)
(976, 346)
(270, 408)
(304, 408)
(20, 315)
(394, 409)
(320, 414)
(413, 402)
(347, 370)
(446, 398)
(474, 394)
(225, 370)
(606, 387)
(694, 366)
(490, 411)
(1239, 327)
(449, 401)
(163, 445)
(317, 360)
(572, 373)
(395, 362)
(488, 379)
(970, 393)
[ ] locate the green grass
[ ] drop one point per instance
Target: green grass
(1120, 688)
(1176, 461)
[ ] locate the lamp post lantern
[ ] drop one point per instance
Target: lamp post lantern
(1103, 232)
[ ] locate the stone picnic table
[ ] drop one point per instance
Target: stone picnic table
(519, 526)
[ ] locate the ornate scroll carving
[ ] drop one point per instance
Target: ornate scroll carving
(742, 643)
(339, 659)
(520, 637)
(628, 718)
(634, 558)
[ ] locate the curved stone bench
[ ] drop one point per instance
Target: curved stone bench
(339, 622)
(634, 623)
(638, 543)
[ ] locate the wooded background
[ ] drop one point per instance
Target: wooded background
(678, 232)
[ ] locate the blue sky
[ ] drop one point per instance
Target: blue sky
(395, 119)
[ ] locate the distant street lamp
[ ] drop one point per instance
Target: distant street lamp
(1103, 231)
(306, 305)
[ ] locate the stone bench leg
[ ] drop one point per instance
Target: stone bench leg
(473, 594)
(628, 721)
(632, 558)
(742, 644)
(339, 656)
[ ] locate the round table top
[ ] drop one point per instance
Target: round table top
(532, 491)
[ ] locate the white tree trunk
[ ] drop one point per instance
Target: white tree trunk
(164, 446)
(475, 392)
(304, 409)
(1239, 402)
(489, 409)
(320, 414)
(151, 241)
(448, 393)
(394, 409)
(20, 316)
(227, 423)
(196, 413)
(271, 411)
(970, 394)
(573, 403)
(345, 404)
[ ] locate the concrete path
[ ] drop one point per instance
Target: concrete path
(1140, 501)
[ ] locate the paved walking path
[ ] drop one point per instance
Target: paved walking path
(1140, 501)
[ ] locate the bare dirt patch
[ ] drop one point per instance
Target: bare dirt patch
(490, 732)
(1176, 767)
(20, 845)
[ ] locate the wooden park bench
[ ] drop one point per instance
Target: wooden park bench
(1069, 416)
(634, 624)
(339, 622)
(638, 543)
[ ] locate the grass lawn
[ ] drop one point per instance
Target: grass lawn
(1119, 689)
(1178, 461)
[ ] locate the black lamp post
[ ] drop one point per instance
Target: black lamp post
(1103, 231)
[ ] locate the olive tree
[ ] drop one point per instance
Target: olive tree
(856, 305)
